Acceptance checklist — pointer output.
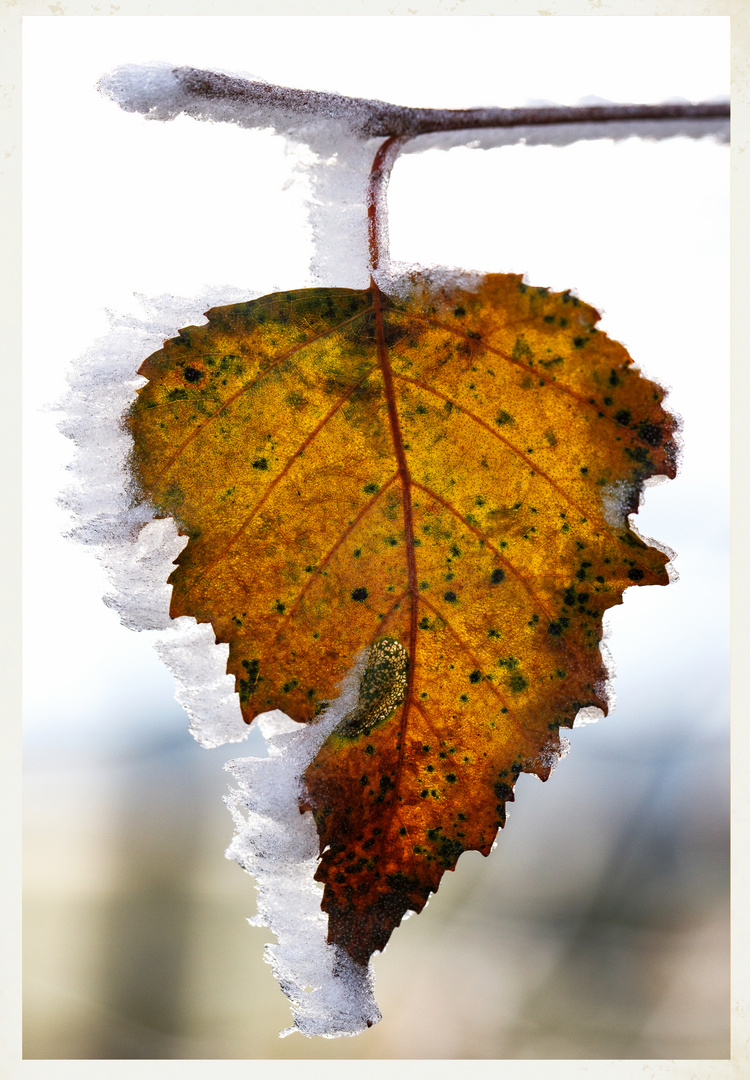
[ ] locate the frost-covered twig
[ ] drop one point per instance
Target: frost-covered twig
(162, 93)
(339, 131)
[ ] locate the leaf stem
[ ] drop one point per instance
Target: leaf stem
(377, 211)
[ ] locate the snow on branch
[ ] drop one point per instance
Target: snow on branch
(335, 134)
(162, 93)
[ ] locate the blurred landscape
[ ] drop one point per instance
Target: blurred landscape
(598, 928)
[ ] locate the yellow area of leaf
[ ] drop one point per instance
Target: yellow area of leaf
(448, 473)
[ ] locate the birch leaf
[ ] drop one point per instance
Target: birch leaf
(435, 484)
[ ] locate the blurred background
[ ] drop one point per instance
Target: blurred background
(598, 928)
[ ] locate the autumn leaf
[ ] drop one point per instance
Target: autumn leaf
(434, 483)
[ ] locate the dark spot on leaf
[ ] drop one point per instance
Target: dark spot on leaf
(261, 463)
(639, 454)
(359, 594)
(192, 374)
(497, 576)
(450, 597)
(650, 433)
(521, 350)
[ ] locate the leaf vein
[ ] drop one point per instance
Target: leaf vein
(496, 551)
(478, 343)
(519, 453)
(248, 386)
(277, 479)
(315, 576)
(467, 650)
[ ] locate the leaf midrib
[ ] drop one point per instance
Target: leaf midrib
(408, 513)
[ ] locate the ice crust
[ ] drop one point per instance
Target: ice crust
(136, 549)
(334, 159)
(330, 995)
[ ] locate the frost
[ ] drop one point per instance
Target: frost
(400, 280)
(329, 993)
(618, 500)
(136, 549)
(204, 689)
(590, 715)
(565, 134)
(332, 155)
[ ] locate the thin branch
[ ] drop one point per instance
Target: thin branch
(379, 119)
(162, 93)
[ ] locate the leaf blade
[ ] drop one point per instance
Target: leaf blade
(449, 472)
